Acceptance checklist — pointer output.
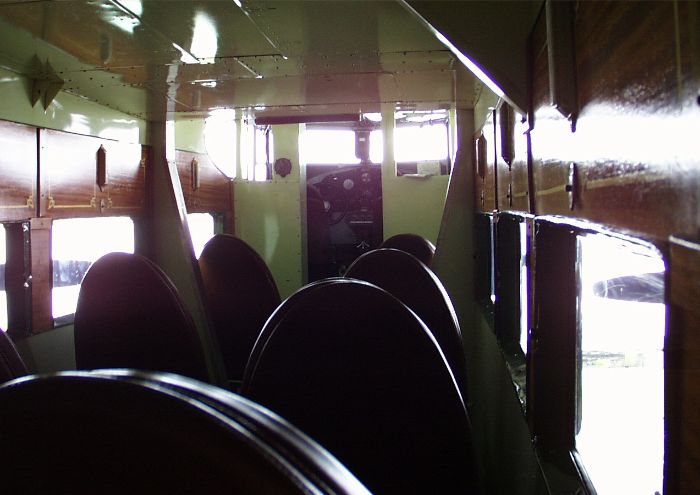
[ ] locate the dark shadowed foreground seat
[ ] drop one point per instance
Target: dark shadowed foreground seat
(418, 246)
(240, 293)
(405, 277)
(129, 315)
(11, 364)
(101, 433)
(354, 368)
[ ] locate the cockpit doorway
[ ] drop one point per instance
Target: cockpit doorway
(344, 196)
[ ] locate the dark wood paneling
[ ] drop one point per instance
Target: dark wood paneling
(17, 266)
(519, 170)
(214, 193)
(68, 176)
(512, 178)
(634, 143)
(551, 384)
(18, 155)
(682, 351)
(42, 279)
(486, 186)
(504, 133)
(125, 192)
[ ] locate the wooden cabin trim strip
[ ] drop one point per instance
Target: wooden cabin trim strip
(68, 177)
(215, 191)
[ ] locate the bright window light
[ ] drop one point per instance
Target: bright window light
(621, 436)
(75, 244)
(376, 146)
(329, 146)
(3, 293)
(201, 227)
(260, 173)
(204, 39)
(416, 143)
(524, 284)
(220, 140)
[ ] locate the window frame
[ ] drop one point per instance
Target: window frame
(553, 363)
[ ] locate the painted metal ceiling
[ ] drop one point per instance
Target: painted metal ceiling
(157, 58)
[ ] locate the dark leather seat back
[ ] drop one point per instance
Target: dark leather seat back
(418, 246)
(240, 293)
(405, 277)
(129, 315)
(96, 432)
(351, 366)
(11, 364)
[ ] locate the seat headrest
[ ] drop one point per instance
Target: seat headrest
(240, 294)
(353, 367)
(129, 315)
(418, 246)
(413, 283)
(132, 433)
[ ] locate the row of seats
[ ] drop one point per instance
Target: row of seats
(345, 360)
(123, 431)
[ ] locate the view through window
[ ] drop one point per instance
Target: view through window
(75, 244)
(621, 436)
(201, 227)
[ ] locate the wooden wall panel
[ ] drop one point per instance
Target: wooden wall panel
(214, 193)
(68, 176)
(519, 178)
(18, 155)
(512, 178)
(125, 192)
(486, 186)
(634, 145)
(683, 371)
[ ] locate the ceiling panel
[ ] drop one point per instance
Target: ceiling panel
(147, 56)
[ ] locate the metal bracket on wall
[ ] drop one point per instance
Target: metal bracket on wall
(45, 83)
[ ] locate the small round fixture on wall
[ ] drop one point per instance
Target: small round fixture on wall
(283, 166)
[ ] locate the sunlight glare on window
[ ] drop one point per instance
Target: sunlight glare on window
(260, 172)
(220, 140)
(329, 146)
(415, 143)
(75, 244)
(524, 284)
(622, 311)
(376, 146)
(201, 227)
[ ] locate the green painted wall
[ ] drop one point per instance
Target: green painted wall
(268, 215)
(66, 113)
(410, 204)
(189, 135)
(413, 205)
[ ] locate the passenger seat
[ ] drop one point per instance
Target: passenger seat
(129, 315)
(354, 368)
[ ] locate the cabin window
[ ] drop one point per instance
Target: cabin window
(75, 244)
(201, 227)
(3, 293)
(622, 318)
(329, 147)
(256, 152)
(220, 140)
(421, 143)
